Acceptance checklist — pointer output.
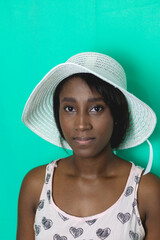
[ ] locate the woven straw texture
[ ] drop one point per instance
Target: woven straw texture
(38, 111)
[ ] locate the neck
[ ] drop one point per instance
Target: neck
(92, 167)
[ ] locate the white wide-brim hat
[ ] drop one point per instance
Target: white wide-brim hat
(38, 111)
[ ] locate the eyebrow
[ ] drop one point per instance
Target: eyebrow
(66, 99)
(95, 99)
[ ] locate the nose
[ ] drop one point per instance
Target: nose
(82, 122)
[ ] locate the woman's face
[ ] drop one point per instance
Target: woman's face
(85, 119)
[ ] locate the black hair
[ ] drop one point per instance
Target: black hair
(112, 96)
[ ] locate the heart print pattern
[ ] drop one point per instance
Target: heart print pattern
(123, 217)
(76, 232)
(133, 236)
(103, 233)
(57, 237)
(129, 191)
(47, 223)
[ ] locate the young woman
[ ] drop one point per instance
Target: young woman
(93, 194)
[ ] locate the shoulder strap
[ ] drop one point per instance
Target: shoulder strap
(134, 179)
(47, 186)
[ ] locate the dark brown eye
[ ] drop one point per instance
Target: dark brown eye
(69, 109)
(97, 109)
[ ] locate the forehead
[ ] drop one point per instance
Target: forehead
(78, 88)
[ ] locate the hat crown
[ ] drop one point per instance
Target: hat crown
(102, 65)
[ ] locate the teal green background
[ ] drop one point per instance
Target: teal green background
(36, 35)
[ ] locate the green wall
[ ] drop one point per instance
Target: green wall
(36, 35)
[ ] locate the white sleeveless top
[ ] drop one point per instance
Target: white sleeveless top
(121, 221)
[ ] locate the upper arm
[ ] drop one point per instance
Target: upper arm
(150, 199)
(28, 202)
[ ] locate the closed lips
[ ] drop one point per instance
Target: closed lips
(83, 139)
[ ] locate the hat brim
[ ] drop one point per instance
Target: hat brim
(38, 111)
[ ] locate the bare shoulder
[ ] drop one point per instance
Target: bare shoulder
(35, 176)
(149, 204)
(32, 185)
(28, 201)
(150, 185)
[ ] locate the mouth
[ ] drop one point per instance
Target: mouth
(83, 140)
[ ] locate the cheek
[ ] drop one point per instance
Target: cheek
(106, 128)
(65, 125)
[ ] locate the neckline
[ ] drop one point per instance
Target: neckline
(92, 217)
